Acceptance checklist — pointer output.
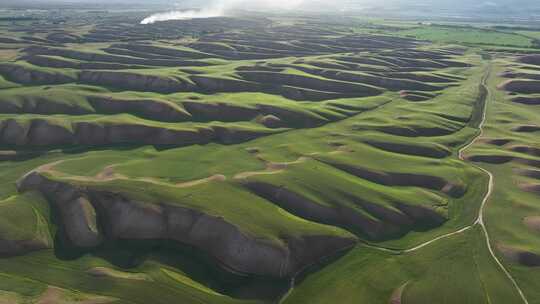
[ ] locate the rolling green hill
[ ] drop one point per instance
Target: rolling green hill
(253, 160)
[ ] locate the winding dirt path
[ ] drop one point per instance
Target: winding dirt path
(289, 292)
(398, 294)
(272, 168)
(56, 295)
(480, 218)
(108, 174)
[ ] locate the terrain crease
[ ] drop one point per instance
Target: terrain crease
(480, 218)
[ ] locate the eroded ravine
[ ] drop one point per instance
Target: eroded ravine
(484, 98)
(480, 219)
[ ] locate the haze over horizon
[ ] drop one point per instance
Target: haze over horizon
(452, 10)
(337, 5)
(215, 8)
(270, 151)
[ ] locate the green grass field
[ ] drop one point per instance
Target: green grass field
(430, 274)
(467, 35)
(267, 160)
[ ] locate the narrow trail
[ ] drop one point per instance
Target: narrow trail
(480, 218)
(289, 292)
(273, 168)
(398, 294)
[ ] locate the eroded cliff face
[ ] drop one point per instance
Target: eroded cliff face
(41, 132)
(136, 82)
(521, 86)
(19, 247)
(24, 75)
(145, 108)
(391, 222)
(90, 216)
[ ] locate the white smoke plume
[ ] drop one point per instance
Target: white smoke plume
(184, 15)
(220, 8)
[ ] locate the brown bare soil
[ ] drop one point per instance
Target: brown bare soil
(533, 223)
(521, 257)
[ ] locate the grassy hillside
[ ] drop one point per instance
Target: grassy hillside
(259, 160)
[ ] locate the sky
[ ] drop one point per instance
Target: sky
(213, 8)
(209, 8)
(292, 3)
